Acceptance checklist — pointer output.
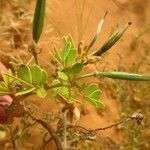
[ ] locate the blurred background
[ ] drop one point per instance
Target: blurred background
(80, 19)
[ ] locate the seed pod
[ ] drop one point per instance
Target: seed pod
(99, 27)
(124, 76)
(38, 19)
(112, 40)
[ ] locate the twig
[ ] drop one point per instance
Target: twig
(77, 126)
(50, 131)
(12, 139)
(113, 125)
(64, 130)
(137, 116)
(34, 50)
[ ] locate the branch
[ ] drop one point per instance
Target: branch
(50, 131)
(137, 116)
(12, 139)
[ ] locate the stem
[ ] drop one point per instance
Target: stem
(12, 139)
(137, 116)
(54, 86)
(14, 77)
(93, 74)
(50, 131)
(113, 125)
(34, 50)
(64, 130)
(35, 55)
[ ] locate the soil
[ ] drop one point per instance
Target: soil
(61, 19)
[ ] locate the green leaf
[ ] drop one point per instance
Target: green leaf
(93, 95)
(2, 93)
(44, 77)
(65, 52)
(91, 88)
(41, 92)
(69, 39)
(24, 73)
(36, 74)
(68, 53)
(64, 91)
(19, 79)
(25, 91)
(71, 57)
(62, 75)
(76, 68)
(54, 83)
(3, 89)
(7, 79)
(3, 85)
(38, 19)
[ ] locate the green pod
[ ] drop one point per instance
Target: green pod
(124, 76)
(112, 40)
(38, 19)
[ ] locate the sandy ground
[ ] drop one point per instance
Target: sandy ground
(61, 19)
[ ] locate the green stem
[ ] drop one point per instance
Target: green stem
(35, 55)
(9, 75)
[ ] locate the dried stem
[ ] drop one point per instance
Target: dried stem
(12, 139)
(113, 125)
(137, 116)
(64, 130)
(50, 131)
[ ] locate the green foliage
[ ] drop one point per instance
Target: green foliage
(24, 73)
(62, 90)
(62, 75)
(31, 78)
(41, 92)
(93, 95)
(25, 91)
(76, 68)
(4, 85)
(68, 54)
(34, 74)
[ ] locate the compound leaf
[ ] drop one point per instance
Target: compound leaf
(93, 95)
